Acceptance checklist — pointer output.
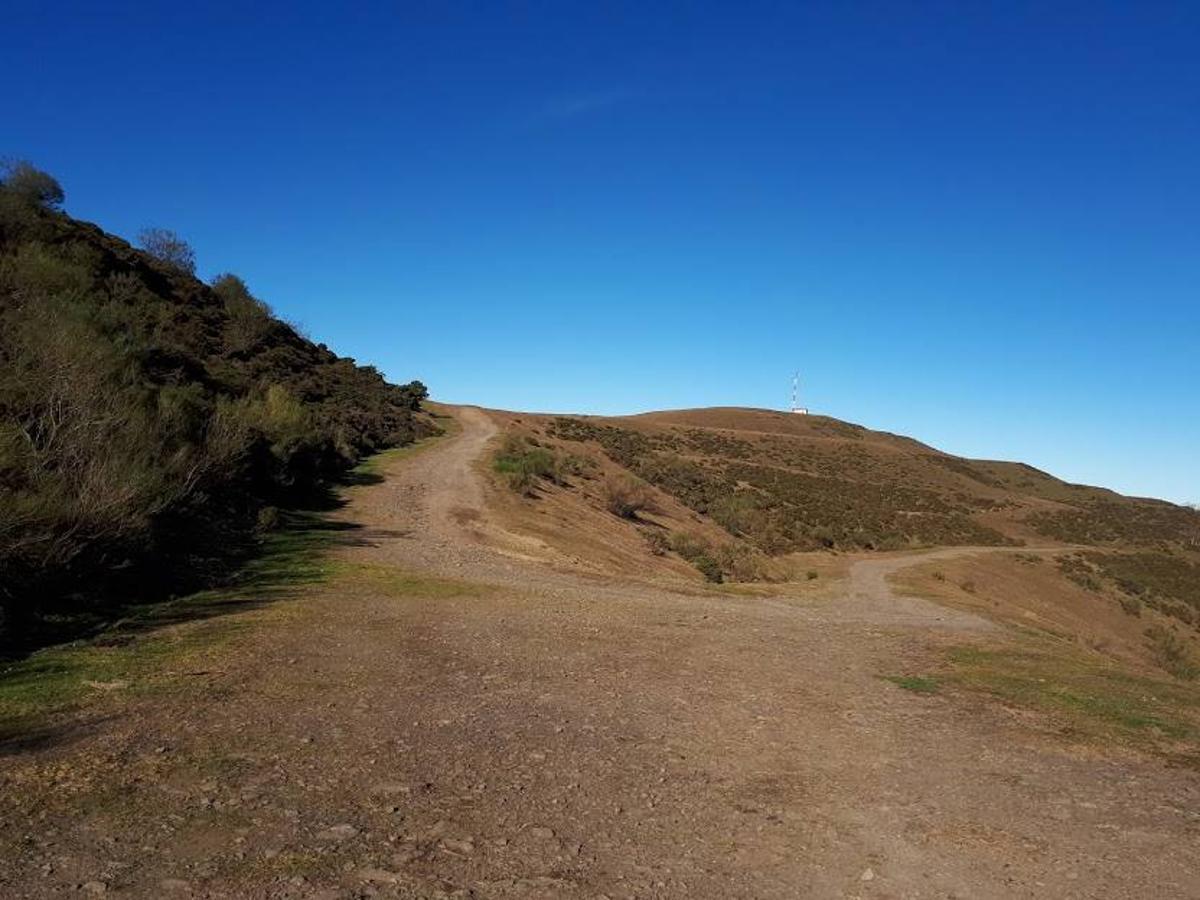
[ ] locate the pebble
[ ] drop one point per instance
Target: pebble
(868, 875)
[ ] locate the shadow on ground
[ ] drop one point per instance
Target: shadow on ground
(114, 643)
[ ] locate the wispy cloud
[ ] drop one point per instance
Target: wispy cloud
(568, 106)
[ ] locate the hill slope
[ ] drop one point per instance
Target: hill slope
(150, 422)
(739, 492)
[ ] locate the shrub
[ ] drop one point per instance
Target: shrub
(1131, 605)
(169, 248)
(709, 568)
(811, 575)
(1171, 652)
(739, 561)
(624, 496)
(522, 464)
(657, 542)
(689, 546)
(31, 185)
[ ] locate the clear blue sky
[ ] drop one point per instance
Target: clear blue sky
(978, 224)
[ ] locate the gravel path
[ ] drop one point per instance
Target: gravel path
(452, 717)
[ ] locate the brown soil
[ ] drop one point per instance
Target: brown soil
(462, 712)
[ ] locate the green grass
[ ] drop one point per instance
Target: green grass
(400, 583)
(373, 466)
(1087, 698)
(916, 683)
(1092, 697)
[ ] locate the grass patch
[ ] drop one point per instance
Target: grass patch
(523, 464)
(146, 650)
(918, 684)
(371, 469)
(399, 582)
(1092, 698)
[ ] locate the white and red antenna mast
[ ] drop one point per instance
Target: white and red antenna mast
(796, 407)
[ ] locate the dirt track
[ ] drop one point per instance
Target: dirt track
(529, 732)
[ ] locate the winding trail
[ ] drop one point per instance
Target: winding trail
(453, 717)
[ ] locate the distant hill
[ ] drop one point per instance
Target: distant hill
(791, 482)
(775, 484)
(150, 423)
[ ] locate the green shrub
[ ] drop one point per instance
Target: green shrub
(709, 568)
(522, 464)
(1172, 652)
(811, 575)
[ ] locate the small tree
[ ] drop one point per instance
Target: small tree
(414, 394)
(168, 247)
(31, 184)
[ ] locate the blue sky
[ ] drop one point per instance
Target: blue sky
(977, 224)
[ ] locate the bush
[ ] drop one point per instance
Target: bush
(709, 568)
(522, 464)
(811, 575)
(657, 542)
(30, 185)
(169, 248)
(1131, 605)
(1171, 652)
(625, 496)
(689, 546)
(739, 561)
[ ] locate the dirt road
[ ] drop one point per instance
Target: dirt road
(450, 716)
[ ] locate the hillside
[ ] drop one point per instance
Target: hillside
(152, 426)
(751, 495)
(789, 483)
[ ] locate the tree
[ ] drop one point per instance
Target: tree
(31, 184)
(168, 247)
(414, 393)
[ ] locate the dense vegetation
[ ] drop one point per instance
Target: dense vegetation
(151, 424)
